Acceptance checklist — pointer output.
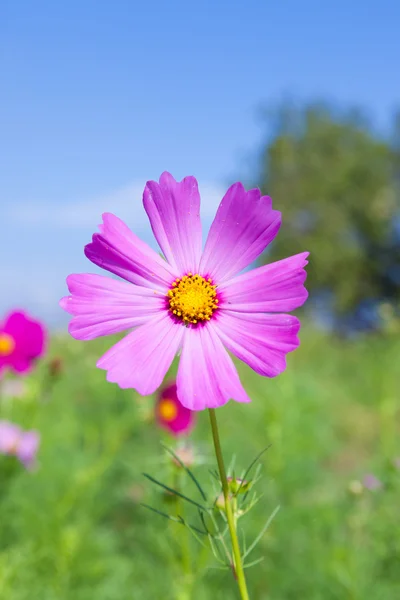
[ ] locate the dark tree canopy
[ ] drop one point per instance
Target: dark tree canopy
(337, 184)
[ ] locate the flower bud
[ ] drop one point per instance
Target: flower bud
(238, 486)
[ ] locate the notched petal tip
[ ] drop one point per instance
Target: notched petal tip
(304, 256)
(244, 226)
(278, 369)
(166, 177)
(63, 303)
(72, 280)
(277, 216)
(235, 188)
(76, 332)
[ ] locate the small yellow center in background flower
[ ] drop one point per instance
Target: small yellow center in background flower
(7, 344)
(193, 298)
(168, 410)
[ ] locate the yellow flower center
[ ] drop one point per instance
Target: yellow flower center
(193, 298)
(7, 344)
(168, 410)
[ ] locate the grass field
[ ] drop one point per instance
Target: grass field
(75, 528)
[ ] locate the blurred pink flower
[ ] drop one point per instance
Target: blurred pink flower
(370, 482)
(22, 341)
(186, 455)
(196, 303)
(13, 388)
(171, 414)
(22, 444)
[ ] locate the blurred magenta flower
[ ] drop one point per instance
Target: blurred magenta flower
(370, 482)
(22, 444)
(171, 414)
(195, 302)
(22, 341)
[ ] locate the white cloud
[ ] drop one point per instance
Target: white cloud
(125, 202)
(36, 291)
(39, 286)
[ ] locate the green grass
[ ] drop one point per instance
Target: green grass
(75, 529)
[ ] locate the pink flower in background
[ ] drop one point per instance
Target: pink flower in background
(370, 482)
(22, 341)
(195, 302)
(171, 414)
(13, 388)
(22, 444)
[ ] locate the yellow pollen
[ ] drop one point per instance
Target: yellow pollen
(193, 298)
(7, 344)
(167, 410)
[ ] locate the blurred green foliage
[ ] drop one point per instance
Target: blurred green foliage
(75, 530)
(337, 183)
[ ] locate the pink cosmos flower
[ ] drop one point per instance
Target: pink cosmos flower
(22, 341)
(22, 444)
(194, 302)
(370, 482)
(171, 414)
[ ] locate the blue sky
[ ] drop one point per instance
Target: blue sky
(98, 96)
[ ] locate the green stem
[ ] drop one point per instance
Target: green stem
(239, 571)
(186, 563)
(185, 542)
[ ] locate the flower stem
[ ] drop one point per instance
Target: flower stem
(239, 571)
(185, 542)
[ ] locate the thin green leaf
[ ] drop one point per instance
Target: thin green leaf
(159, 512)
(244, 542)
(255, 562)
(192, 527)
(253, 462)
(206, 529)
(231, 466)
(217, 556)
(221, 538)
(178, 519)
(263, 530)
(197, 538)
(215, 475)
(174, 492)
(188, 471)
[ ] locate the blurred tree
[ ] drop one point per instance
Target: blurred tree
(337, 184)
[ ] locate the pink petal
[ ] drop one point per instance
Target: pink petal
(29, 335)
(243, 226)
(103, 306)
(9, 437)
(276, 287)
(27, 448)
(174, 212)
(20, 364)
(143, 357)
(118, 250)
(259, 340)
(207, 377)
